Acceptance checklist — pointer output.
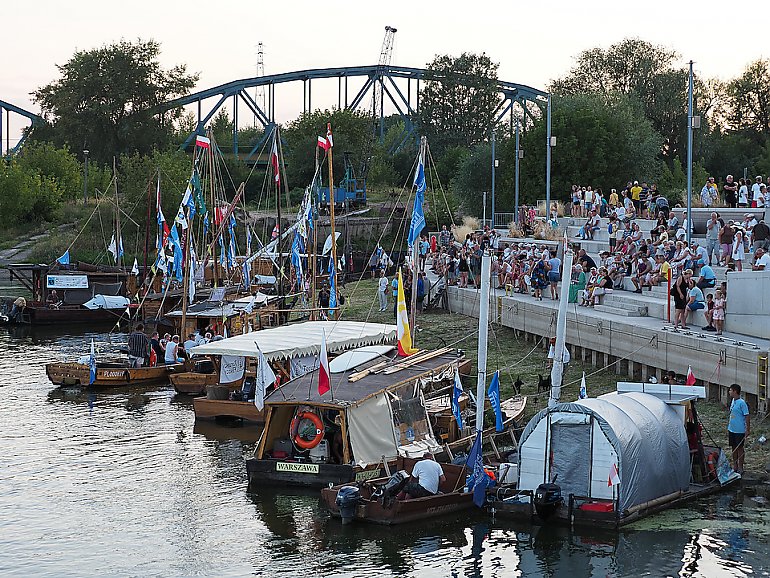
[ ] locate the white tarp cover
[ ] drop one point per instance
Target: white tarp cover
(107, 302)
(232, 368)
(301, 339)
(303, 365)
(647, 435)
(370, 427)
(356, 357)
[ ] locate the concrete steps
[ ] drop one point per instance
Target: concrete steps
(625, 310)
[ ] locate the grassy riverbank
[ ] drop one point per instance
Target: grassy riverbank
(525, 360)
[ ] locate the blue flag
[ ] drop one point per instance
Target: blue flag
(418, 217)
(478, 481)
(92, 365)
(493, 392)
(64, 259)
(457, 391)
(297, 249)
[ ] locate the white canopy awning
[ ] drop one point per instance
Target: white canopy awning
(301, 339)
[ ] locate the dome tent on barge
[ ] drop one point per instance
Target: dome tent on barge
(615, 458)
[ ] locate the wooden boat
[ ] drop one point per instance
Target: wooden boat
(282, 346)
(109, 374)
(389, 510)
(193, 383)
(348, 433)
(224, 408)
(41, 314)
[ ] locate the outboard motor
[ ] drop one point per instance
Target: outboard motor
(390, 489)
(347, 500)
(547, 498)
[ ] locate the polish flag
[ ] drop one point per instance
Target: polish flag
(323, 143)
(324, 377)
(614, 478)
(274, 162)
(329, 140)
(202, 141)
(690, 376)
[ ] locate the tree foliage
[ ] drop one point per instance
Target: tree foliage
(104, 100)
(458, 100)
(748, 99)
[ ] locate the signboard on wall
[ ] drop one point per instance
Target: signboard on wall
(66, 281)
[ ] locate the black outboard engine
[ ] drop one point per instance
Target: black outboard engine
(547, 498)
(390, 489)
(347, 500)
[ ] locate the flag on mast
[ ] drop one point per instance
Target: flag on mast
(690, 376)
(202, 141)
(493, 392)
(583, 390)
(457, 391)
(402, 321)
(64, 259)
(418, 217)
(92, 364)
(265, 376)
(329, 139)
(324, 376)
(274, 161)
(614, 478)
(324, 143)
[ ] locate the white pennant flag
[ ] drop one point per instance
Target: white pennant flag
(113, 248)
(264, 377)
(135, 268)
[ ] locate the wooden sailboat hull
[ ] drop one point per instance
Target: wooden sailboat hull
(192, 383)
(213, 408)
(109, 375)
(68, 315)
(270, 472)
(404, 511)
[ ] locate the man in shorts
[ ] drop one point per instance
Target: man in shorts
(426, 476)
(739, 427)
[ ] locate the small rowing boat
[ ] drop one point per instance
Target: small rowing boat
(109, 374)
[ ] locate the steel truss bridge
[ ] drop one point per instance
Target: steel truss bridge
(400, 87)
(8, 108)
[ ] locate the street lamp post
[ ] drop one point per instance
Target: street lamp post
(548, 145)
(85, 177)
(494, 164)
(519, 156)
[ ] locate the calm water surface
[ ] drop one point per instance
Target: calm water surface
(125, 484)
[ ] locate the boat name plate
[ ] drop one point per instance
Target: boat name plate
(368, 475)
(299, 468)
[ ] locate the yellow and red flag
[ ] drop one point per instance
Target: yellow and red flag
(402, 321)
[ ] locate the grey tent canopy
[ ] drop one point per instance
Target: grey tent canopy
(582, 441)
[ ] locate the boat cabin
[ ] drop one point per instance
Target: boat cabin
(375, 412)
(235, 316)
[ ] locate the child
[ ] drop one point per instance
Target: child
(718, 315)
(709, 313)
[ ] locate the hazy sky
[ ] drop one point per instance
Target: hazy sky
(534, 42)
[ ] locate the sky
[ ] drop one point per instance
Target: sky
(534, 42)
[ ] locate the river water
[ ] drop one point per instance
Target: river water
(125, 484)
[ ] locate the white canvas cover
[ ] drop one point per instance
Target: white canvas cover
(370, 427)
(301, 339)
(107, 302)
(354, 358)
(647, 436)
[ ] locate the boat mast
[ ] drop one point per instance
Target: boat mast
(415, 249)
(118, 241)
(313, 265)
(186, 276)
(331, 221)
(561, 328)
(213, 221)
(279, 277)
(481, 384)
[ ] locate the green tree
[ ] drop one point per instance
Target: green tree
(748, 99)
(58, 164)
(599, 142)
(458, 100)
(474, 176)
(105, 100)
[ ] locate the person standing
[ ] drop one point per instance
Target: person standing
(739, 427)
(730, 192)
(444, 237)
(382, 291)
(138, 346)
(755, 188)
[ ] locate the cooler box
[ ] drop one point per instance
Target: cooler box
(597, 507)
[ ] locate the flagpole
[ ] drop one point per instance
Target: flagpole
(186, 276)
(557, 371)
(415, 259)
(333, 313)
(279, 279)
(313, 204)
(486, 266)
(118, 240)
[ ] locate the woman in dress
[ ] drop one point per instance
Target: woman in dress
(738, 250)
(718, 313)
(679, 293)
(726, 236)
(539, 276)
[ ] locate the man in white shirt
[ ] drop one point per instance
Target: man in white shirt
(382, 290)
(755, 191)
(761, 260)
(426, 476)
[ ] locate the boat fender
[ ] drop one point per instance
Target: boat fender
(294, 430)
(711, 462)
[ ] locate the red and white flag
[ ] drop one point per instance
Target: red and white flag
(329, 139)
(274, 162)
(324, 377)
(202, 141)
(614, 478)
(323, 143)
(690, 376)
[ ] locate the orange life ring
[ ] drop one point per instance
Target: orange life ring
(300, 441)
(711, 462)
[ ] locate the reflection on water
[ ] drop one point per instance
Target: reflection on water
(124, 482)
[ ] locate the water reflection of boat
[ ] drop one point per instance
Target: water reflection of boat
(219, 431)
(109, 374)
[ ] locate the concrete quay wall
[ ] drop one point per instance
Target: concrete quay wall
(643, 346)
